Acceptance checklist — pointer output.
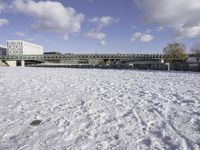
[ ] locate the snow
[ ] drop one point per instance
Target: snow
(99, 109)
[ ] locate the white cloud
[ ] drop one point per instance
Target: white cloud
(94, 20)
(3, 22)
(19, 33)
(104, 21)
(100, 23)
(187, 32)
(96, 35)
(100, 36)
(50, 16)
(173, 14)
(143, 37)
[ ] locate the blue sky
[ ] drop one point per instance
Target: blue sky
(101, 26)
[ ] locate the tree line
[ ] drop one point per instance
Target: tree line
(177, 52)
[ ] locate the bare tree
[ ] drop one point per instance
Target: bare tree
(175, 52)
(196, 51)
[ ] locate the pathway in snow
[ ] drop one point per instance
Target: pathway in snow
(99, 109)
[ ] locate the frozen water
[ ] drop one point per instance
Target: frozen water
(98, 109)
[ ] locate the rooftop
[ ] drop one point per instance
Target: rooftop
(2, 46)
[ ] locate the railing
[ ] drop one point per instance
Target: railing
(83, 56)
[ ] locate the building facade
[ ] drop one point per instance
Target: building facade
(18, 47)
(3, 50)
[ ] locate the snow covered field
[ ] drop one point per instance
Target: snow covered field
(98, 109)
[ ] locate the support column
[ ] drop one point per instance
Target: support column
(168, 66)
(131, 64)
(22, 63)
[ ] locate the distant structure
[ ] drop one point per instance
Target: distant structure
(49, 53)
(18, 47)
(21, 53)
(3, 50)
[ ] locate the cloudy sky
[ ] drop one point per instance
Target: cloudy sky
(101, 26)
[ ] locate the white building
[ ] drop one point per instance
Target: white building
(18, 47)
(3, 50)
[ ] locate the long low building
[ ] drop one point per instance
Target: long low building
(18, 47)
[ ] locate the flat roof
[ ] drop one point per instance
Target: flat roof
(2, 46)
(23, 41)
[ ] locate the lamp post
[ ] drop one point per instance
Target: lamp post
(22, 61)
